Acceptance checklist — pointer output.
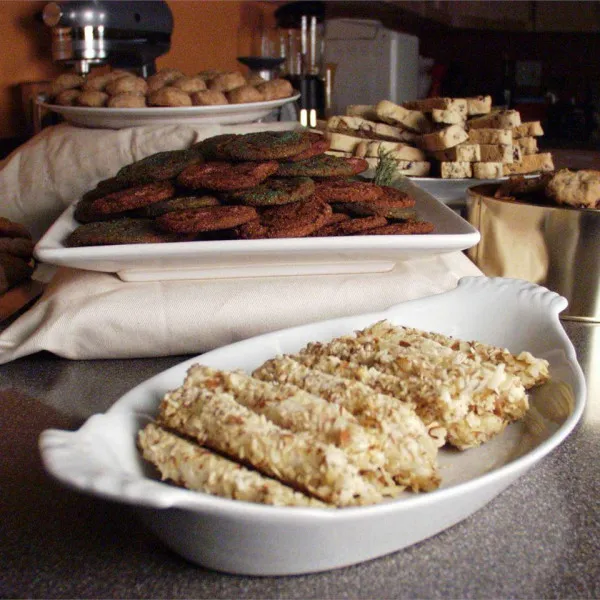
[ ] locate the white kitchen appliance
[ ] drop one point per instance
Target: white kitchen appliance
(370, 63)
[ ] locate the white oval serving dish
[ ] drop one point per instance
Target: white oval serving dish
(238, 537)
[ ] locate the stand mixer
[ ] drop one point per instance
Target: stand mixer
(125, 35)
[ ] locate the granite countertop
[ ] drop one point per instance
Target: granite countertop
(538, 539)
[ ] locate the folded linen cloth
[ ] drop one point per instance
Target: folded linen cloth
(86, 315)
(56, 167)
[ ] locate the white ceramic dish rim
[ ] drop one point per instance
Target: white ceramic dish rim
(170, 111)
(141, 491)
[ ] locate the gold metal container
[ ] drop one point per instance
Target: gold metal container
(554, 246)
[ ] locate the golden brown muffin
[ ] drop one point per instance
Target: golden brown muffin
(68, 97)
(226, 81)
(275, 89)
(169, 96)
(127, 100)
(209, 98)
(130, 84)
(243, 94)
(92, 99)
(190, 84)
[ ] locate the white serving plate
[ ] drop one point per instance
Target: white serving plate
(452, 192)
(260, 258)
(244, 538)
(119, 118)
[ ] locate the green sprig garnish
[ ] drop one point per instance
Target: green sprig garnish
(386, 168)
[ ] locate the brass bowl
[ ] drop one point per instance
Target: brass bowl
(554, 246)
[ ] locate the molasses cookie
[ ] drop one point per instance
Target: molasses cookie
(324, 165)
(268, 145)
(347, 190)
(298, 219)
(117, 231)
(180, 203)
(352, 227)
(319, 145)
(135, 197)
(274, 190)
(158, 167)
(209, 218)
(408, 228)
(224, 177)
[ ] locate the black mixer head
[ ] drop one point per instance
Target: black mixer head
(129, 35)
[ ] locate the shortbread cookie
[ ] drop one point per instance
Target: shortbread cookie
(527, 145)
(575, 188)
(456, 170)
(371, 129)
(528, 129)
(428, 104)
(502, 153)
(415, 120)
(488, 170)
(414, 168)
(479, 105)
(366, 111)
(531, 163)
(395, 150)
(465, 152)
(444, 138)
(500, 119)
(447, 116)
(487, 135)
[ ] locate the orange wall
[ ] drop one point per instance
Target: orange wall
(205, 35)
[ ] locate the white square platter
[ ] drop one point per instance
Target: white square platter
(260, 258)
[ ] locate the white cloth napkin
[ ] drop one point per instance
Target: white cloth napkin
(57, 166)
(85, 315)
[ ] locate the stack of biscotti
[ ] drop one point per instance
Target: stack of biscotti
(446, 137)
(356, 135)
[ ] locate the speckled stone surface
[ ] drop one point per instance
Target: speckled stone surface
(538, 539)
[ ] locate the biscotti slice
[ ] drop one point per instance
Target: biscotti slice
(473, 401)
(447, 116)
(342, 142)
(392, 113)
(529, 369)
(413, 168)
(465, 152)
(502, 153)
(499, 119)
(479, 105)
(296, 410)
(575, 188)
(364, 127)
(531, 163)
(339, 153)
(488, 170)
(219, 422)
(456, 170)
(410, 453)
(366, 111)
(527, 145)
(488, 135)
(199, 469)
(444, 138)
(528, 129)
(396, 150)
(428, 104)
